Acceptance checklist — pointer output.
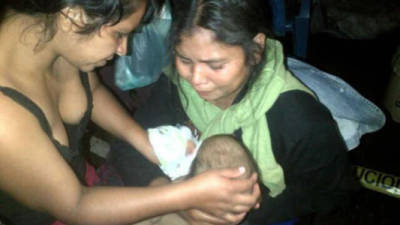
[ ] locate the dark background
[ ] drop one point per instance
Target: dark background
(356, 40)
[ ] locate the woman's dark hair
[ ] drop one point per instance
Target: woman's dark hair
(234, 22)
(100, 12)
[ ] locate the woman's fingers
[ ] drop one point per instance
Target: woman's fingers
(234, 196)
(233, 173)
(241, 184)
(235, 218)
(257, 192)
(197, 216)
(248, 194)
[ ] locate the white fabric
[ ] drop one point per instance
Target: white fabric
(354, 114)
(169, 144)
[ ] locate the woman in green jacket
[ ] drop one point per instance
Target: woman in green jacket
(229, 77)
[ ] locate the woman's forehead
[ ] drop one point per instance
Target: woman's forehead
(204, 41)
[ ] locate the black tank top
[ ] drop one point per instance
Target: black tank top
(11, 212)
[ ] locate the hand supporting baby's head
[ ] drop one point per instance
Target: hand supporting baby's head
(221, 152)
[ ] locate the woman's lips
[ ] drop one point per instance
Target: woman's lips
(203, 93)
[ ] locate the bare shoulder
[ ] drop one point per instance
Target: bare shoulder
(14, 118)
(20, 131)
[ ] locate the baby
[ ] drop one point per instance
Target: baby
(220, 152)
(215, 152)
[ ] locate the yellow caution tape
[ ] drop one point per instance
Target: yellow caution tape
(377, 181)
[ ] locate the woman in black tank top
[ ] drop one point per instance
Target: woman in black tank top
(49, 92)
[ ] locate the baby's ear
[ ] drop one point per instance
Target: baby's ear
(259, 39)
(72, 19)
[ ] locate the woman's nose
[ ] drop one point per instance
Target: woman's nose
(122, 47)
(198, 76)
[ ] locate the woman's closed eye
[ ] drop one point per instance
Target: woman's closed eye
(216, 66)
(184, 60)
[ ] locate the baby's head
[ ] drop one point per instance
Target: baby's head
(220, 152)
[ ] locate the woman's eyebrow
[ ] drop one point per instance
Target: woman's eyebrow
(213, 61)
(180, 55)
(216, 60)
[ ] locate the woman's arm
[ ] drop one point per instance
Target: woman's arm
(34, 173)
(112, 117)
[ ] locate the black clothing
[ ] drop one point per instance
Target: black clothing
(317, 180)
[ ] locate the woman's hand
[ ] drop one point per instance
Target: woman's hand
(219, 197)
(198, 217)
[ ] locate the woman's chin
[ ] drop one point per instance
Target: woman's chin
(204, 94)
